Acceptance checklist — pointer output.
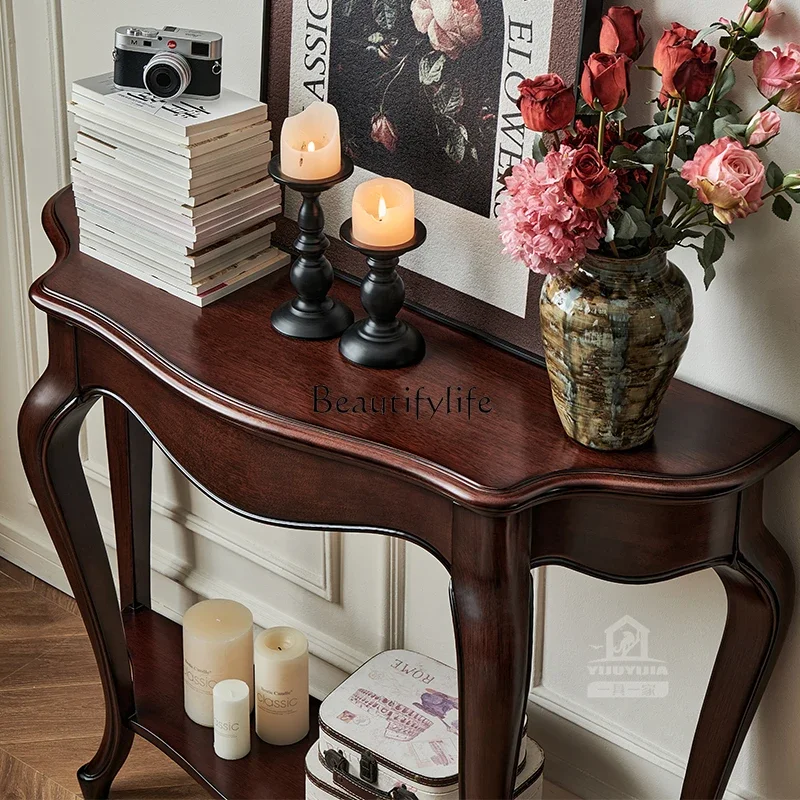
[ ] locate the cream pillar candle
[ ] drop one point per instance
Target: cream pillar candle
(217, 645)
(232, 719)
(281, 656)
(311, 145)
(383, 213)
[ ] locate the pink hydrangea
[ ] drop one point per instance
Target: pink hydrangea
(541, 224)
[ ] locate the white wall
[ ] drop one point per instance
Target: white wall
(744, 346)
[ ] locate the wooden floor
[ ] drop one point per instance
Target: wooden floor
(51, 704)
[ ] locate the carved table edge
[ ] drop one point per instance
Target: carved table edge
(428, 475)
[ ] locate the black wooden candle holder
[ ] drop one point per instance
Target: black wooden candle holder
(312, 314)
(382, 341)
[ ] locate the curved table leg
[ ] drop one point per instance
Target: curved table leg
(130, 469)
(760, 589)
(492, 600)
(49, 427)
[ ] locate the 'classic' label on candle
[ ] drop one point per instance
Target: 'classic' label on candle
(281, 703)
(198, 680)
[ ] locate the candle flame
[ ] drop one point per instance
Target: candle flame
(382, 210)
(311, 147)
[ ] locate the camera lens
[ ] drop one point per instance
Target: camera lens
(167, 76)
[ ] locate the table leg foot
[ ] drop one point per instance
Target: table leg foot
(492, 600)
(49, 429)
(760, 589)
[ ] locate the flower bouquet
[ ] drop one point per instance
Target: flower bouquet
(599, 204)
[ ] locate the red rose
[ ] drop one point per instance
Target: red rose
(622, 32)
(606, 82)
(689, 72)
(677, 36)
(547, 103)
(383, 132)
(590, 182)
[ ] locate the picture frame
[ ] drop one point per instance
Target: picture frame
(348, 52)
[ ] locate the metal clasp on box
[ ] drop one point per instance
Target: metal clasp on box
(337, 762)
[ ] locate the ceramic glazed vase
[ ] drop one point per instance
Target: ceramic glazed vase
(614, 333)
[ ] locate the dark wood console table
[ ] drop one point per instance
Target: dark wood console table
(231, 403)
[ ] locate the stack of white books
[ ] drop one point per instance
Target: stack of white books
(176, 194)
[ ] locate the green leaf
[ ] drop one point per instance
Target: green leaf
(782, 208)
(621, 156)
(681, 189)
(385, 13)
(431, 66)
(709, 274)
(455, 146)
(775, 176)
(746, 49)
(704, 132)
(793, 195)
(729, 126)
(663, 132)
(727, 108)
(625, 226)
(653, 153)
(617, 116)
(714, 245)
(448, 99)
(669, 234)
(706, 32)
(727, 82)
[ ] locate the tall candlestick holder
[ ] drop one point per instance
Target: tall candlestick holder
(311, 314)
(382, 341)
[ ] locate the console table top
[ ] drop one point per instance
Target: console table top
(228, 356)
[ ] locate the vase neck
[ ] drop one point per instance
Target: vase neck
(620, 269)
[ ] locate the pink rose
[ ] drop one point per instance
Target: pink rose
(383, 132)
(452, 25)
(756, 22)
(778, 76)
(763, 128)
(728, 177)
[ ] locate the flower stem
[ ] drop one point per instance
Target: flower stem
(671, 154)
(651, 189)
(601, 133)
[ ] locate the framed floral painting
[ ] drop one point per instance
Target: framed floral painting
(426, 92)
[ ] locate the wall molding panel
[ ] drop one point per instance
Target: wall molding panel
(324, 584)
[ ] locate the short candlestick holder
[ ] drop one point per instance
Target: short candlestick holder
(312, 314)
(382, 341)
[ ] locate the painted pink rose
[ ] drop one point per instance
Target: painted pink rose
(778, 76)
(763, 128)
(383, 132)
(728, 177)
(452, 25)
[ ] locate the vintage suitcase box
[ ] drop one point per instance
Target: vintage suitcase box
(394, 724)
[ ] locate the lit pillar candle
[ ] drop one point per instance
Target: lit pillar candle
(311, 147)
(383, 213)
(232, 719)
(281, 656)
(217, 645)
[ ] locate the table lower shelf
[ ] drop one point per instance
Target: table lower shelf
(268, 773)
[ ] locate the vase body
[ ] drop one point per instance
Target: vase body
(614, 333)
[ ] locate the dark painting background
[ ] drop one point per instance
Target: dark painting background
(375, 45)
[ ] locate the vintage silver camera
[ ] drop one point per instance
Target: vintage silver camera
(169, 63)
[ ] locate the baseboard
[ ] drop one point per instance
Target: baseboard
(597, 760)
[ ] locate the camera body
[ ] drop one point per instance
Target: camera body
(169, 63)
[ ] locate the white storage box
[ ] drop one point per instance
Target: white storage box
(394, 724)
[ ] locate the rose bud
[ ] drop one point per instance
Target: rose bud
(606, 82)
(677, 36)
(791, 181)
(689, 72)
(547, 103)
(756, 22)
(763, 128)
(383, 132)
(622, 32)
(778, 76)
(590, 182)
(758, 5)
